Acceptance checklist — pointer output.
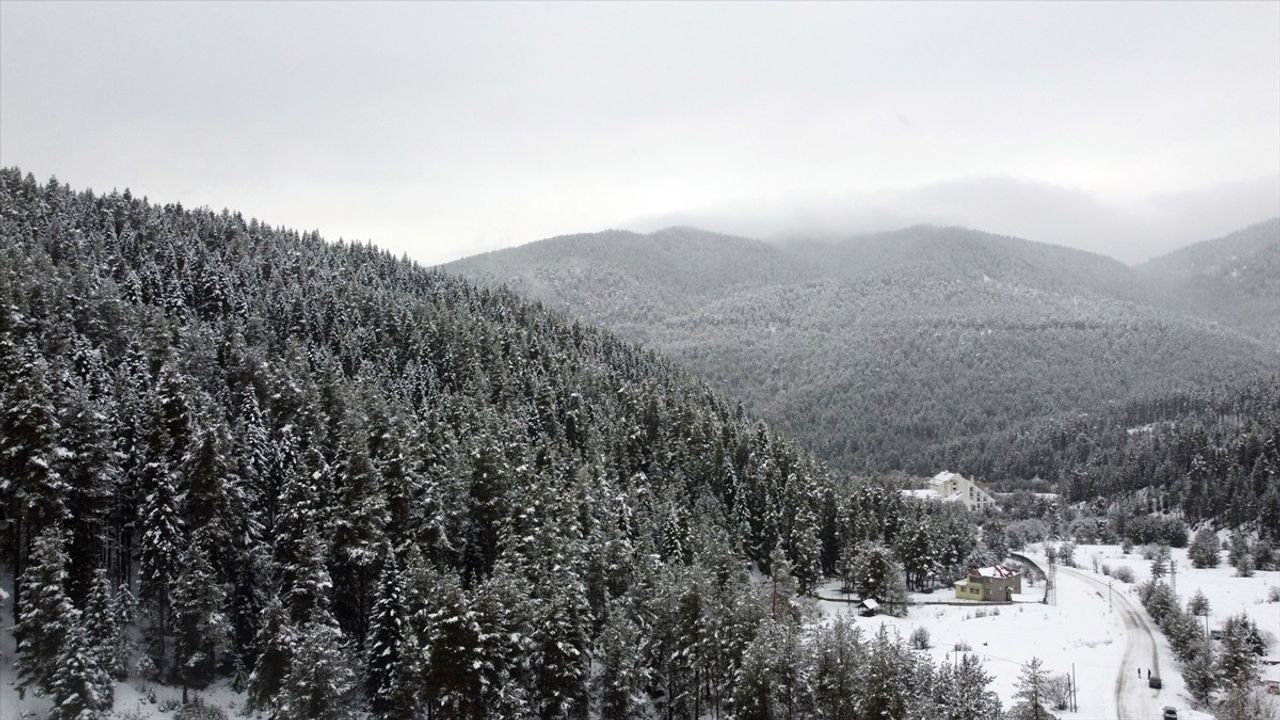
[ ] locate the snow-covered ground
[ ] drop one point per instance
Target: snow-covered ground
(1101, 636)
(1227, 594)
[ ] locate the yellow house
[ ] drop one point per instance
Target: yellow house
(989, 583)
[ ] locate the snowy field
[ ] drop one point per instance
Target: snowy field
(1227, 594)
(1084, 628)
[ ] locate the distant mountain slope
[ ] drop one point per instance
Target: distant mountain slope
(890, 350)
(1234, 279)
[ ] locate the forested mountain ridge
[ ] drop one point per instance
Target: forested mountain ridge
(1234, 279)
(346, 482)
(892, 351)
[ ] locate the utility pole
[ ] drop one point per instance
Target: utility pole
(1075, 686)
(1109, 605)
(1173, 573)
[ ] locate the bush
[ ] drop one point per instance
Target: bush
(199, 711)
(169, 704)
(920, 639)
(962, 646)
(1273, 594)
(1123, 574)
(1106, 569)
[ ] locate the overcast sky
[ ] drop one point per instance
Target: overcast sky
(444, 130)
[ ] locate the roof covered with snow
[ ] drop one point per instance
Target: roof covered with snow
(995, 571)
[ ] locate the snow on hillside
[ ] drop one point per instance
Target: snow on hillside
(1227, 594)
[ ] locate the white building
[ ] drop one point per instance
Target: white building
(954, 487)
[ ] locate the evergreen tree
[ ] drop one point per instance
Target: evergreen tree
(560, 650)
(388, 626)
(275, 643)
(359, 520)
(200, 622)
(1204, 549)
(453, 671)
(104, 632)
(161, 538)
(47, 614)
(1199, 671)
(838, 656)
(962, 692)
(1032, 692)
(29, 476)
(80, 687)
(1237, 658)
(321, 680)
(623, 677)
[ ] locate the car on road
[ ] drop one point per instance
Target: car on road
(1170, 713)
(1154, 682)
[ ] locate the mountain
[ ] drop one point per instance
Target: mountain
(338, 484)
(1234, 279)
(1133, 230)
(895, 350)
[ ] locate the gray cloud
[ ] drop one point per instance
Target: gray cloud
(445, 129)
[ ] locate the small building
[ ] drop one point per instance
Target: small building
(986, 584)
(869, 606)
(1271, 679)
(954, 487)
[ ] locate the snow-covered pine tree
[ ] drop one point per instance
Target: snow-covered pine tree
(29, 454)
(162, 531)
(890, 677)
(210, 486)
(1237, 657)
(321, 681)
(452, 672)
(388, 627)
(962, 692)
(560, 636)
(90, 467)
(103, 630)
(1204, 549)
(358, 526)
(804, 546)
(623, 677)
(1200, 671)
(275, 643)
(47, 613)
(402, 696)
(1032, 692)
(838, 654)
(80, 687)
(199, 618)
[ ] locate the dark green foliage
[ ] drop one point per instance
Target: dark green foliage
(47, 613)
(280, 437)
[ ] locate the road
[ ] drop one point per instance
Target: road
(1134, 699)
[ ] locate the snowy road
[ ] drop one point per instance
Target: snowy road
(1134, 700)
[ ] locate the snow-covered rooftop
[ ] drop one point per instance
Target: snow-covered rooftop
(995, 571)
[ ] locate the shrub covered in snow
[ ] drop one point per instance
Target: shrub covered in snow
(920, 639)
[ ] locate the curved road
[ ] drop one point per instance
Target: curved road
(1134, 700)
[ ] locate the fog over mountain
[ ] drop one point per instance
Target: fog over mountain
(1130, 231)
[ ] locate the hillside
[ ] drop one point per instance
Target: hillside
(890, 350)
(1234, 279)
(328, 483)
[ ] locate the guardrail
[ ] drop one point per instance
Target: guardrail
(1044, 577)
